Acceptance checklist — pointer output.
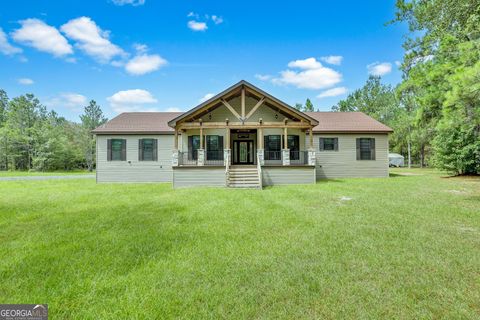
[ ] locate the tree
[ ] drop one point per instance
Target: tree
(308, 106)
(91, 119)
(374, 98)
(298, 106)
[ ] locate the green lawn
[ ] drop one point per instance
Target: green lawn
(38, 173)
(403, 247)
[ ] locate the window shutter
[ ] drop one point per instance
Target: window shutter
(140, 149)
(124, 150)
(358, 149)
(155, 150)
(109, 149)
(265, 143)
(335, 142)
(320, 144)
(190, 147)
(372, 149)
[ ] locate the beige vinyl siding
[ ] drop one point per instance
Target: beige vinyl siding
(133, 170)
(287, 175)
(344, 164)
(199, 176)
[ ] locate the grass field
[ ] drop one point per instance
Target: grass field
(38, 173)
(403, 247)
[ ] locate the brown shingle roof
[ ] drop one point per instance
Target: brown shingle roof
(346, 122)
(157, 122)
(139, 122)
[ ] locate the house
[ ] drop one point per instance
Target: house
(242, 137)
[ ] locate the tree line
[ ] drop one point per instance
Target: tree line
(32, 138)
(435, 110)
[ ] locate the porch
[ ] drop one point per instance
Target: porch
(264, 147)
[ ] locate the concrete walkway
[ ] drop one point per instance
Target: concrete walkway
(70, 176)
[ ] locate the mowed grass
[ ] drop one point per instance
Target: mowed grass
(401, 247)
(41, 173)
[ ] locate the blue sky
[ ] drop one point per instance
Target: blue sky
(134, 55)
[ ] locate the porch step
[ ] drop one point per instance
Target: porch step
(243, 177)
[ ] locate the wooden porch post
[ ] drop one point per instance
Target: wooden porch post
(285, 138)
(201, 138)
(227, 138)
(260, 138)
(175, 143)
(310, 133)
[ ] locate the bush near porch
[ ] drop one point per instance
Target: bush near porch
(403, 247)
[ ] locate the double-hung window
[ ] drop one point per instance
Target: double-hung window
(116, 149)
(365, 149)
(273, 147)
(214, 147)
(147, 150)
(294, 147)
(328, 144)
(193, 146)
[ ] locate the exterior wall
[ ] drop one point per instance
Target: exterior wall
(199, 176)
(133, 170)
(344, 164)
(287, 175)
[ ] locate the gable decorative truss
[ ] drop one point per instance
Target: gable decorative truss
(243, 89)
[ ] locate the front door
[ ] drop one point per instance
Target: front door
(243, 152)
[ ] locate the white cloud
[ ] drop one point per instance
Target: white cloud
(91, 39)
(131, 100)
(144, 63)
(379, 69)
(140, 47)
(36, 33)
(338, 91)
(193, 14)
(217, 19)
(206, 97)
(336, 60)
(309, 63)
(263, 77)
(398, 63)
(173, 109)
(197, 26)
(70, 100)
(5, 46)
(130, 2)
(25, 81)
(312, 75)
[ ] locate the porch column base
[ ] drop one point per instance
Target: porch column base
(311, 157)
(226, 157)
(175, 157)
(261, 156)
(286, 157)
(200, 157)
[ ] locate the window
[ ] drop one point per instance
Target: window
(147, 150)
(214, 147)
(328, 144)
(117, 149)
(294, 146)
(273, 147)
(365, 149)
(193, 146)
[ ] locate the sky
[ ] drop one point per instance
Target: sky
(152, 55)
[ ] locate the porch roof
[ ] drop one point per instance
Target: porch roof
(234, 88)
